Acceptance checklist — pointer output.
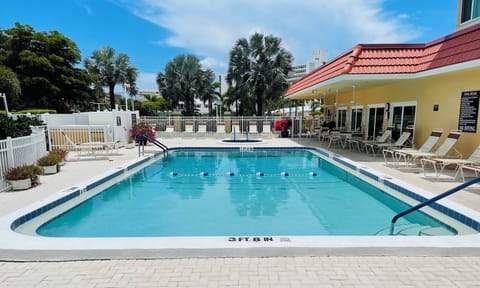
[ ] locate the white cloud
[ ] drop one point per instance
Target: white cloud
(210, 28)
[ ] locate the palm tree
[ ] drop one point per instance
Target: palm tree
(111, 70)
(259, 67)
(184, 80)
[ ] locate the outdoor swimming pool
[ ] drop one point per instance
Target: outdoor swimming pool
(235, 193)
(22, 230)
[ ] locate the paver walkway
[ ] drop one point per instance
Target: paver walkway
(238, 272)
(249, 272)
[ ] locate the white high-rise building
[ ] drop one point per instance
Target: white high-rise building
(298, 71)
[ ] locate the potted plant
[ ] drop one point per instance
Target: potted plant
(139, 130)
(283, 126)
(49, 163)
(62, 155)
(21, 177)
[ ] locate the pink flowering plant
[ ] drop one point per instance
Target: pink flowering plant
(140, 129)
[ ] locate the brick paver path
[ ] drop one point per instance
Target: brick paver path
(248, 272)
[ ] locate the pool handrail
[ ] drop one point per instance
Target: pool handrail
(157, 143)
(431, 200)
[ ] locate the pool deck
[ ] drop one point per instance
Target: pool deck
(358, 271)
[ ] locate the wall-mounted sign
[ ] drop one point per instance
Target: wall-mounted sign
(468, 118)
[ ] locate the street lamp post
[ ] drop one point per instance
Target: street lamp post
(4, 96)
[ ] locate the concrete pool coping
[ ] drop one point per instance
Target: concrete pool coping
(19, 247)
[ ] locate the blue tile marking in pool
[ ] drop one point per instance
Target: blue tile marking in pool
(439, 207)
(369, 174)
(103, 180)
(43, 209)
(445, 210)
(130, 167)
(345, 163)
(27, 217)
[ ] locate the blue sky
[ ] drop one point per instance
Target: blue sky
(152, 32)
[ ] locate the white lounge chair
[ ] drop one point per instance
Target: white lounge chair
(384, 138)
(170, 129)
(426, 147)
(252, 127)
(439, 164)
(88, 148)
(411, 156)
(375, 147)
(471, 167)
(202, 127)
(220, 128)
(236, 127)
(266, 128)
(189, 127)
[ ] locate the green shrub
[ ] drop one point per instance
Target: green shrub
(36, 111)
(16, 128)
(49, 160)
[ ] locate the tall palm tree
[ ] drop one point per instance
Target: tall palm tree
(184, 80)
(259, 67)
(209, 89)
(111, 70)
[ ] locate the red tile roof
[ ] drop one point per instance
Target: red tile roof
(461, 46)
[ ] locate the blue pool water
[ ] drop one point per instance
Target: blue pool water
(234, 193)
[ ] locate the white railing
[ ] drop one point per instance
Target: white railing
(20, 151)
(188, 126)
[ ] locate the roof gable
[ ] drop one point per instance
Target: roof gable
(458, 47)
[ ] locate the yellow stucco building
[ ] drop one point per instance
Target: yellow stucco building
(432, 85)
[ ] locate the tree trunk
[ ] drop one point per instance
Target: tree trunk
(259, 105)
(111, 92)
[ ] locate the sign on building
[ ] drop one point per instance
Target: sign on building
(468, 118)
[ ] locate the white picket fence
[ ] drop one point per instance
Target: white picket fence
(20, 151)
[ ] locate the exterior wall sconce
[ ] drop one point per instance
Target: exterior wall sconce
(353, 98)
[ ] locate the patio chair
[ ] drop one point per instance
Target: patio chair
(471, 167)
(384, 138)
(334, 138)
(189, 127)
(202, 127)
(266, 128)
(411, 156)
(236, 127)
(170, 129)
(88, 148)
(323, 134)
(441, 163)
(252, 127)
(220, 128)
(426, 147)
(376, 147)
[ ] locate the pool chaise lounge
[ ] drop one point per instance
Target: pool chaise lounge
(397, 154)
(411, 157)
(384, 138)
(376, 147)
(439, 164)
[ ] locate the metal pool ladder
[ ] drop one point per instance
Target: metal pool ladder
(158, 144)
(430, 201)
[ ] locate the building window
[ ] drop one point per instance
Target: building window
(470, 10)
(356, 120)
(342, 119)
(402, 116)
